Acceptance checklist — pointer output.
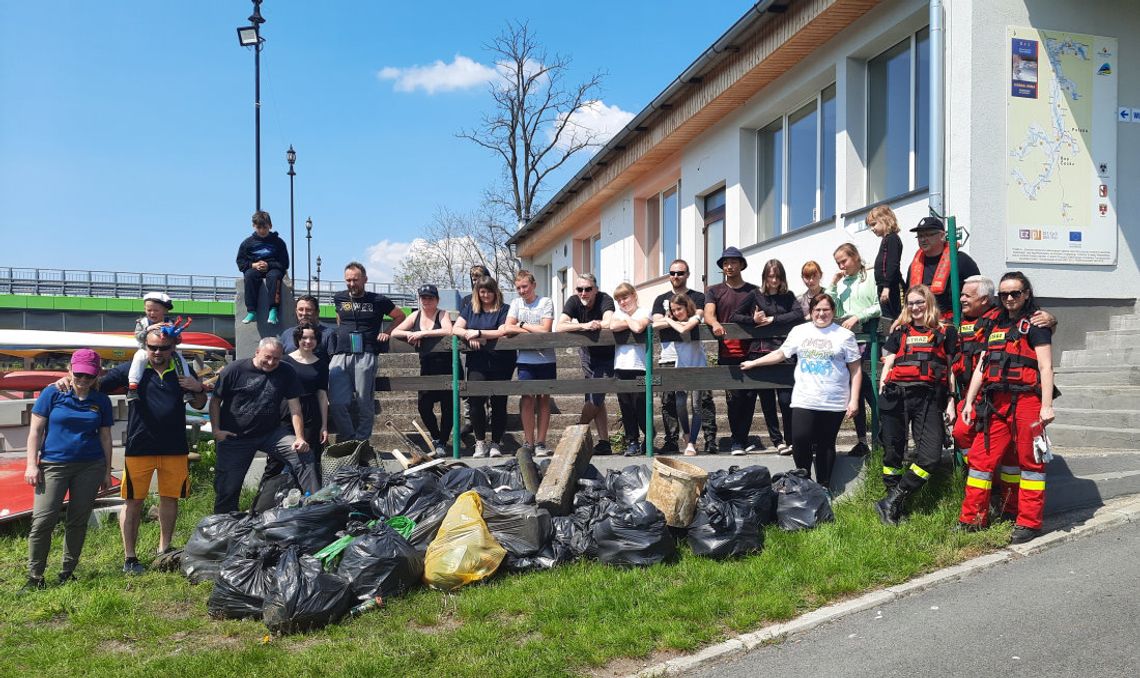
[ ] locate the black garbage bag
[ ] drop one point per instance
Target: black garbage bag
(629, 485)
(312, 527)
(411, 496)
(522, 529)
(273, 490)
(569, 538)
(207, 547)
(239, 591)
(359, 485)
(746, 488)
(301, 596)
(506, 474)
(634, 535)
(722, 529)
(503, 496)
(802, 502)
(428, 526)
(591, 502)
(381, 563)
(549, 557)
(459, 480)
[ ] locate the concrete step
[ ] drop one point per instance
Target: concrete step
(1124, 322)
(1105, 418)
(1100, 397)
(1112, 339)
(1087, 477)
(1077, 435)
(1097, 376)
(1118, 357)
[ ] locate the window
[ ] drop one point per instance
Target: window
(714, 235)
(662, 239)
(596, 258)
(796, 168)
(898, 118)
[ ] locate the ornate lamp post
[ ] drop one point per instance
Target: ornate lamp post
(291, 157)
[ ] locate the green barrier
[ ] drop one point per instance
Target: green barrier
(649, 389)
(455, 413)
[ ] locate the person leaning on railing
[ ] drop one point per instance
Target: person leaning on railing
(430, 321)
(479, 322)
(777, 309)
(629, 364)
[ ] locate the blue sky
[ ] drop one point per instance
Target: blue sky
(126, 128)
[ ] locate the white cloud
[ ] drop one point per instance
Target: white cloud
(383, 257)
(462, 73)
(594, 118)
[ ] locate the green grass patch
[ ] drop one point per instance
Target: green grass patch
(562, 622)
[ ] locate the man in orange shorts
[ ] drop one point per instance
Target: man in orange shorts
(156, 442)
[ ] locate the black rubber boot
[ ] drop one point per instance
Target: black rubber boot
(890, 507)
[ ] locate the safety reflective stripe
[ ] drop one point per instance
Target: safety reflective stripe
(1031, 480)
(979, 479)
(1010, 474)
(892, 471)
(919, 471)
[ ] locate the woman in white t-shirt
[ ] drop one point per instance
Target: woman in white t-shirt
(682, 318)
(629, 363)
(828, 376)
(531, 313)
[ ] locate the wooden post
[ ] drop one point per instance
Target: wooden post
(571, 457)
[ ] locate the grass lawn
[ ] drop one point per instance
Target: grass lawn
(563, 622)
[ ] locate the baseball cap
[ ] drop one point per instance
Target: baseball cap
(428, 291)
(160, 297)
(929, 224)
(85, 361)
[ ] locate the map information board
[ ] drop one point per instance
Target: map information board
(1061, 148)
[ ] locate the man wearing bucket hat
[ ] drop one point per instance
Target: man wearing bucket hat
(731, 302)
(931, 263)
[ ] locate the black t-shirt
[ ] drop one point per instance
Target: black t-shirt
(663, 299)
(966, 268)
(574, 309)
(313, 377)
(252, 399)
(364, 314)
(733, 305)
(156, 421)
(497, 362)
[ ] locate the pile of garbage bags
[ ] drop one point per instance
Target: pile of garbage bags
(371, 535)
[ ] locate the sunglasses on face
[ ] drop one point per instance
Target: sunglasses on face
(585, 289)
(1015, 294)
(158, 349)
(678, 274)
(80, 375)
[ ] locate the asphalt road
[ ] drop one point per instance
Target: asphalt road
(1068, 611)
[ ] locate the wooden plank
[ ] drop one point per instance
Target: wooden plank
(571, 457)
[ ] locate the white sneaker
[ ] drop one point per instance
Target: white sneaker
(541, 451)
(495, 451)
(690, 451)
(481, 450)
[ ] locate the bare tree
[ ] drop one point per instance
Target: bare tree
(531, 127)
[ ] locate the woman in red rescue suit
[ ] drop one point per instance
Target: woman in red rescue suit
(1015, 378)
(914, 390)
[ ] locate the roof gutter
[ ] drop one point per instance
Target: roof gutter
(690, 76)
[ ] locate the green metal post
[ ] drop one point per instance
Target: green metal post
(455, 412)
(649, 389)
(955, 286)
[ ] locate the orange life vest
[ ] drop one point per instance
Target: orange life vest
(1011, 363)
(941, 272)
(971, 342)
(921, 356)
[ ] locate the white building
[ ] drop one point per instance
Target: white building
(806, 113)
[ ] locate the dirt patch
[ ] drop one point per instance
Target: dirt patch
(117, 647)
(619, 668)
(446, 623)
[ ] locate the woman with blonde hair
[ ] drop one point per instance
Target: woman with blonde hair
(888, 272)
(629, 364)
(856, 309)
(914, 391)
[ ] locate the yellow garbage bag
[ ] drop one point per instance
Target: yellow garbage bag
(463, 550)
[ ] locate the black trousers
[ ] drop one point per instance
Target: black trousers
(479, 406)
(253, 279)
(815, 430)
(632, 407)
(425, 402)
(671, 426)
(741, 406)
(919, 407)
(768, 399)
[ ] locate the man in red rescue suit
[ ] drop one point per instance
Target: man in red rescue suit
(1015, 379)
(931, 263)
(914, 392)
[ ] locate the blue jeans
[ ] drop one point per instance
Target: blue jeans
(236, 454)
(352, 375)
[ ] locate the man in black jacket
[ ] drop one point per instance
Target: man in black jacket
(262, 255)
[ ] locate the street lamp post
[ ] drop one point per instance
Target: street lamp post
(250, 36)
(291, 157)
(318, 277)
(309, 250)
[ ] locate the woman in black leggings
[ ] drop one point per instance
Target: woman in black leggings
(477, 324)
(431, 321)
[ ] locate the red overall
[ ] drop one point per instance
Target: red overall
(1009, 406)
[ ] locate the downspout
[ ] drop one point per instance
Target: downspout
(937, 110)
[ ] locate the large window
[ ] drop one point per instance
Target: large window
(713, 235)
(898, 118)
(796, 168)
(662, 237)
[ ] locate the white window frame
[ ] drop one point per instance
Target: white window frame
(660, 267)
(912, 136)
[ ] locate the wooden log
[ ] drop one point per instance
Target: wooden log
(571, 457)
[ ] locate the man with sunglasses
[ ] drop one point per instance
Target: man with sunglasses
(589, 311)
(156, 442)
(679, 284)
(931, 263)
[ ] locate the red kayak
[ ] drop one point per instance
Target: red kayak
(17, 497)
(29, 380)
(197, 338)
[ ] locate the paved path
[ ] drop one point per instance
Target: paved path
(1067, 611)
